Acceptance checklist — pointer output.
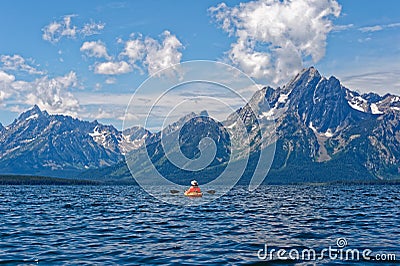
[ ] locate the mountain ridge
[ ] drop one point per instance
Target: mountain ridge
(321, 126)
(57, 145)
(322, 133)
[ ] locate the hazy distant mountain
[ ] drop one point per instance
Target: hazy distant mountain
(41, 144)
(324, 132)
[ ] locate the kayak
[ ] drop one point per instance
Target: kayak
(193, 194)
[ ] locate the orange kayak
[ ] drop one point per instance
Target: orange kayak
(193, 194)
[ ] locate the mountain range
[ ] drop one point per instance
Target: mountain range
(37, 143)
(323, 132)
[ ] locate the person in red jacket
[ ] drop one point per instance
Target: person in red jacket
(194, 188)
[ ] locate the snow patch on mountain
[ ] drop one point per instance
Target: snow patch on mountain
(356, 107)
(375, 110)
(328, 133)
(395, 99)
(128, 144)
(270, 115)
(231, 126)
(358, 103)
(34, 116)
(283, 98)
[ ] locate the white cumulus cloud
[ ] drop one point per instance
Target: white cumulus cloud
(274, 38)
(51, 94)
(135, 51)
(5, 82)
(142, 53)
(3, 96)
(162, 55)
(152, 54)
(6, 78)
(95, 49)
(112, 68)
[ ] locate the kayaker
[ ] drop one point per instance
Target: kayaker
(194, 187)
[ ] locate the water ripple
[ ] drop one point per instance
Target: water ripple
(124, 225)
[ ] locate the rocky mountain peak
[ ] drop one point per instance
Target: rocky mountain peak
(204, 113)
(135, 132)
(372, 97)
(305, 79)
(259, 101)
(317, 103)
(178, 124)
(32, 113)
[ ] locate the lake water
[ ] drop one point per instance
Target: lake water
(41, 225)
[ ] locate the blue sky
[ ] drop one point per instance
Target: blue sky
(72, 57)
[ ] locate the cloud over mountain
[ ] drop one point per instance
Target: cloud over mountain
(52, 94)
(275, 38)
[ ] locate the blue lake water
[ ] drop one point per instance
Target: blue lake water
(41, 225)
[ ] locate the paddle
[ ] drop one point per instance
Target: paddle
(173, 191)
